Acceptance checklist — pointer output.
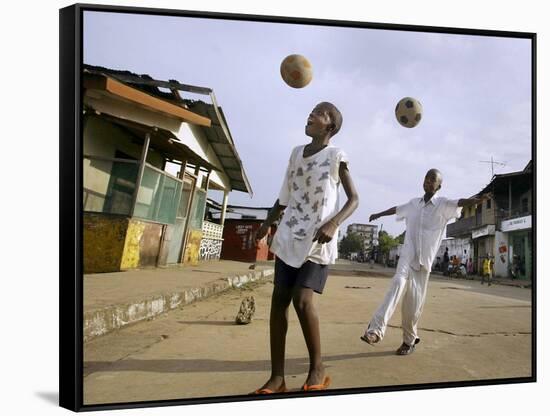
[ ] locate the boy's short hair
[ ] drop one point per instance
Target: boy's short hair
(335, 116)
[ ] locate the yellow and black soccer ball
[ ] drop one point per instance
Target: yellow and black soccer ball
(408, 112)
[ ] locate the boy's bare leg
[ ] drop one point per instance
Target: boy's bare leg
(309, 321)
(278, 325)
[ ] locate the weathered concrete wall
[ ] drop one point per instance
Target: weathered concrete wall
(113, 243)
(104, 240)
(130, 257)
(192, 249)
(142, 246)
(149, 247)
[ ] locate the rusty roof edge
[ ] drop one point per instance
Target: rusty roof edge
(127, 76)
(187, 116)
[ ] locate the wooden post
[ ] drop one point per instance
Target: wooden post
(142, 162)
(224, 206)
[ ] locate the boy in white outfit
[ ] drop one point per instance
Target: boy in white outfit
(426, 218)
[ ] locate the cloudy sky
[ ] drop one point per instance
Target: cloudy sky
(475, 90)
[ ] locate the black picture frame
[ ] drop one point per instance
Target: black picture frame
(70, 202)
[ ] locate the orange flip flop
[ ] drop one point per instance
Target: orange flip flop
(281, 389)
(317, 387)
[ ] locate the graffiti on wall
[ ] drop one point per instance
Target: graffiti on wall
(210, 249)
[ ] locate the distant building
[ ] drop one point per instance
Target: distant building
(457, 247)
(369, 233)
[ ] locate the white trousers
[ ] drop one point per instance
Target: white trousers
(413, 285)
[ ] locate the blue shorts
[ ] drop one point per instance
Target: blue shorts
(310, 275)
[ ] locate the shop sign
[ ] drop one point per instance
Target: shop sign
(516, 224)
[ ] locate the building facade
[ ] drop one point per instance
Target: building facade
(501, 227)
(149, 158)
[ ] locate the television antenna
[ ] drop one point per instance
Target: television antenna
(493, 163)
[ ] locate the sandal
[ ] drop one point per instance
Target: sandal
(406, 349)
(315, 387)
(281, 389)
(370, 338)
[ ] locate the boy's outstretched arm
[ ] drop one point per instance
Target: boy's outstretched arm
(326, 232)
(466, 202)
(274, 214)
(390, 211)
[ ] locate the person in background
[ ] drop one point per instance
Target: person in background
(446, 262)
(464, 260)
(470, 266)
(487, 270)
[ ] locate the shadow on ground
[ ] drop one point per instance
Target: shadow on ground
(213, 323)
(294, 366)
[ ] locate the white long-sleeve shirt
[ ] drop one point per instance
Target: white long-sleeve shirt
(425, 223)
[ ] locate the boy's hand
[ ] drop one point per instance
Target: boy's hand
(374, 217)
(325, 233)
(261, 233)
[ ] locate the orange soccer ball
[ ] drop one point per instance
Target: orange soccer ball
(296, 71)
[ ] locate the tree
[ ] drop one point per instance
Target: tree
(351, 243)
(386, 242)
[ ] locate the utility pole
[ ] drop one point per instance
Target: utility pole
(496, 218)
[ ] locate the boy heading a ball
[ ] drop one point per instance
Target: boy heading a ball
(306, 240)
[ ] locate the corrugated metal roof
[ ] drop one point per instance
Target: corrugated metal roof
(146, 83)
(221, 141)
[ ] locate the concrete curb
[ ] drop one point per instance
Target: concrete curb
(103, 321)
